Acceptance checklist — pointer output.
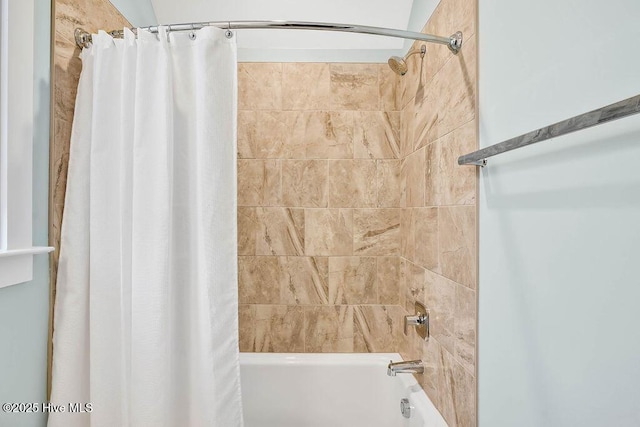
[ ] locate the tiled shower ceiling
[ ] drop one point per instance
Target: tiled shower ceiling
(382, 13)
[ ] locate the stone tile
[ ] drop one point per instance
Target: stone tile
(279, 231)
(352, 280)
(328, 329)
(67, 73)
(379, 328)
(446, 182)
(56, 233)
(328, 232)
(247, 137)
(259, 182)
(446, 387)
(388, 183)
(449, 386)
(376, 232)
(464, 392)
(271, 328)
(417, 86)
(452, 91)
(59, 165)
(402, 282)
(304, 134)
(377, 135)
(440, 300)
(416, 83)
(389, 84)
(354, 86)
(282, 280)
(451, 16)
(248, 229)
(412, 85)
(276, 135)
(431, 379)
(407, 234)
(407, 130)
(425, 228)
(306, 86)
(304, 183)
(352, 183)
(259, 86)
(388, 279)
(246, 331)
(412, 177)
(94, 14)
(465, 327)
(411, 346)
(304, 280)
(457, 237)
(416, 286)
(326, 134)
(459, 15)
(67, 66)
(436, 100)
(259, 280)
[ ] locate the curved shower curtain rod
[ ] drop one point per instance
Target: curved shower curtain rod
(454, 42)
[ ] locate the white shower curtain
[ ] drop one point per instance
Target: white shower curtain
(146, 327)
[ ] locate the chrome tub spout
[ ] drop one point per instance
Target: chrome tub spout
(405, 367)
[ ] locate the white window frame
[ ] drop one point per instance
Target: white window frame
(16, 142)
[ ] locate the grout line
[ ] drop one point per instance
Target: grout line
(304, 330)
(307, 306)
(356, 208)
(439, 274)
(455, 359)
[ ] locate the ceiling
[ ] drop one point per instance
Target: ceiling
(297, 45)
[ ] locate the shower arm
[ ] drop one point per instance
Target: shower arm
(422, 51)
(453, 42)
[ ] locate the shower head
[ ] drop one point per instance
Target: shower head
(399, 65)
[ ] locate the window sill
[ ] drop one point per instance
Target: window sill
(16, 265)
(34, 250)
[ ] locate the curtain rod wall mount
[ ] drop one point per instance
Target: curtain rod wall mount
(453, 42)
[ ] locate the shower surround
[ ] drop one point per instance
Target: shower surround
(437, 99)
(318, 216)
(352, 207)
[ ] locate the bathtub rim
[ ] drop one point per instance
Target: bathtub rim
(324, 359)
(418, 398)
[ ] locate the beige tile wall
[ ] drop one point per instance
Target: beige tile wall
(319, 214)
(438, 218)
(352, 207)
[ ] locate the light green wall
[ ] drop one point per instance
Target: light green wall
(559, 285)
(24, 308)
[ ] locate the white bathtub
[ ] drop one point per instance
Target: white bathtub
(330, 390)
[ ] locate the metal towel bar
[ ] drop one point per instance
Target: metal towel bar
(628, 107)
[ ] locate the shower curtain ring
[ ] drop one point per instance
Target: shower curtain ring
(192, 33)
(228, 34)
(168, 31)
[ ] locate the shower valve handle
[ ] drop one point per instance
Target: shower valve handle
(415, 320)
(420, 321)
